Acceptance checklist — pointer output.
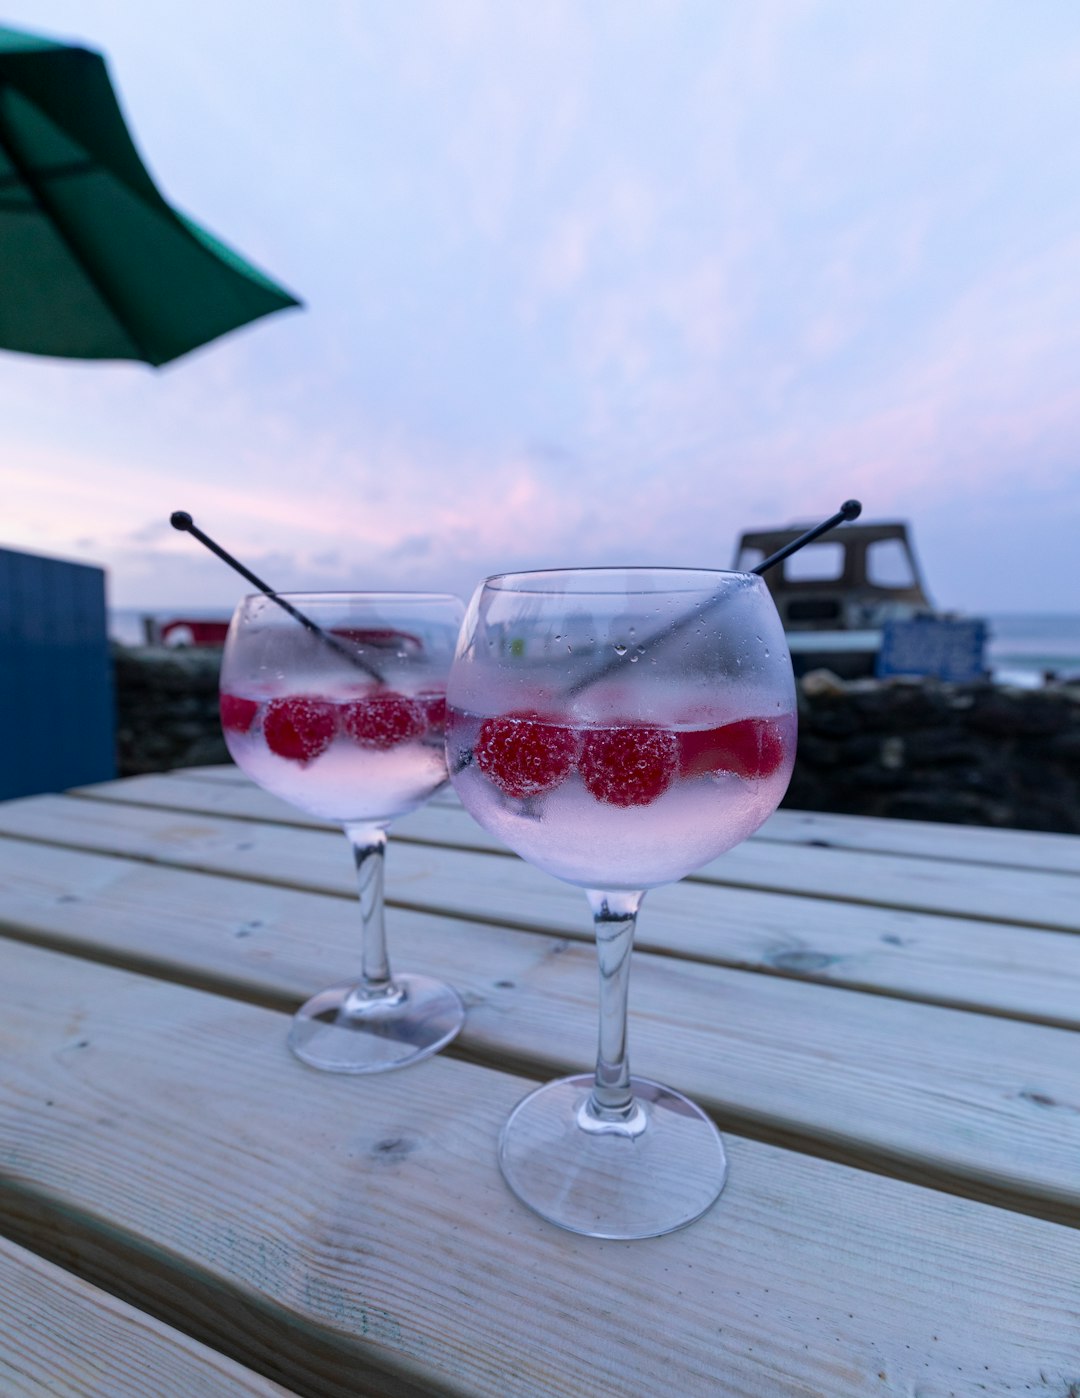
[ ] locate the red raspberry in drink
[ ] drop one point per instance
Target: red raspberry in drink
(752, 748)
(523, 754)
(299, 728)
(383, 720)
(630, 765)
(237, 713)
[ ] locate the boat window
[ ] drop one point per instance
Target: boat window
(813, 609)
(748, 558)
(889, 565)
(816, 563)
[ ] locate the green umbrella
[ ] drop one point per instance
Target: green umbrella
(94, 264)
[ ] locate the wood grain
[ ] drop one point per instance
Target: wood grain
(355, 1232)
(968, 1102)
(989, 893)
(1006, 969)
(67, 1339)
(968, 844)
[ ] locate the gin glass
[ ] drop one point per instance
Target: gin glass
(336, 702)
(619, 728)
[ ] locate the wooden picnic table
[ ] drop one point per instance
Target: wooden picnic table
(882, 1017)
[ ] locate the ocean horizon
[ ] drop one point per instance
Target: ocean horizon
(1022, 646)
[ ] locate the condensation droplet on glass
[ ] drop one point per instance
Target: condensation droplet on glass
(633, 658)
(640, 650)
(620, 649)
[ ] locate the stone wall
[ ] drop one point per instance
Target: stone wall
(166, 709)
(977, 754)
(971, 755)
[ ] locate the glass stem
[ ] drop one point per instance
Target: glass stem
(614, 916)
(368, 844)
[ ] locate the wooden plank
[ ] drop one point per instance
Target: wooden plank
(970, 844)
(218, 772)
(814, 937)
(63, 1337)
(357, 1230)
(510, 891)
(970, 1103)
(1005, 894)
(1013, 971)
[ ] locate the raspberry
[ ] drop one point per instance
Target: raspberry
(237, 713)
(383, 720)
(299, 728)
(523, 754)
(752, 748)
(628, 766)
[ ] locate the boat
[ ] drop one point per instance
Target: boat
(855, 603)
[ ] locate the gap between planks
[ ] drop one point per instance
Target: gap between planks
(61, 1334)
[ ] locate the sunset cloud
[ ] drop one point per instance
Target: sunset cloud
(585, 284)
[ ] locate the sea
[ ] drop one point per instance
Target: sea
(1022, 648)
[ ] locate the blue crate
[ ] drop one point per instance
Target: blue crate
(57, 713)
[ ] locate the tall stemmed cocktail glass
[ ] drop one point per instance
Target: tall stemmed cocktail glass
(619, 728)
(344, 718)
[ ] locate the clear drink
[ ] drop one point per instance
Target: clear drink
(373, 754)
(680, 796)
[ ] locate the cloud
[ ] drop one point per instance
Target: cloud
(586, 284)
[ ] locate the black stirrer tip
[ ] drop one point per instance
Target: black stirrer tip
(849, 510)
(180, 519)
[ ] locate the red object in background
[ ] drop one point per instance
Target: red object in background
(203, 633)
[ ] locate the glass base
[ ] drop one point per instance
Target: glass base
(342, 1030)
(656, 1172)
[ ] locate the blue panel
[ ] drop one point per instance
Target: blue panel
(57, 724)
(943, 647)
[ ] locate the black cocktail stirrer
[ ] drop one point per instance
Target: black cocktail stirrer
(850, 509)
(180, 519)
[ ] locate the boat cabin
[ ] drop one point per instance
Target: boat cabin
(856, 578)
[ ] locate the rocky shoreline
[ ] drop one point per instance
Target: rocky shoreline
(977, 754)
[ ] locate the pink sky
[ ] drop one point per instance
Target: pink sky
(586, 284)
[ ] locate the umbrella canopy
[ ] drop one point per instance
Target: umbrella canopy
(94, 264)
